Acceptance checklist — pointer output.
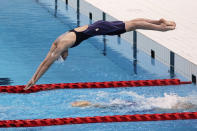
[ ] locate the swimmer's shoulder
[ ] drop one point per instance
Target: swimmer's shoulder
(68, 37)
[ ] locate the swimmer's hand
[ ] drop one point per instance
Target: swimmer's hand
(29, 85)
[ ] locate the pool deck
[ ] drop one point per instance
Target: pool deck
(181, 41)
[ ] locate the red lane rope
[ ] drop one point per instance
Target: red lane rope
(98, 119)
(80, 85)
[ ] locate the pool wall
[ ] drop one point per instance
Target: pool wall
(175, 62)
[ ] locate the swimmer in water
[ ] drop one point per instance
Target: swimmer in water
(181, 105)
(74, 37)
(98, 105)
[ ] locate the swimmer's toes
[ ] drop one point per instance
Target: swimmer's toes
(170, 23)
(167, 28)
(170, 27)
(174, 24)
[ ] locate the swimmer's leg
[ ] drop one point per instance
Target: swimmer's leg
(158, 22)
(146, 24)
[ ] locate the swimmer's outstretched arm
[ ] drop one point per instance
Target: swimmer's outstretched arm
(87, 104)
(56, 50)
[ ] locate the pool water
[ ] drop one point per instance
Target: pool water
(27, 29)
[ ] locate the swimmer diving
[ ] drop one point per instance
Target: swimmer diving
(74, 37)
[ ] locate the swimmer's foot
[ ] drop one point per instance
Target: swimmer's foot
(164, 27)
(167, 25)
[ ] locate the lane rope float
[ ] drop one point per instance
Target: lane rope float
(98, 119)
(80, 85)
(95, 119)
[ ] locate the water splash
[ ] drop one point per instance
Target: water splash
(135, 102)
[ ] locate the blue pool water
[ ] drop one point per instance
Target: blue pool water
(27, 29)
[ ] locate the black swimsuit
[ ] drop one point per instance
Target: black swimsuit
(99, 28)
(80, 36)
